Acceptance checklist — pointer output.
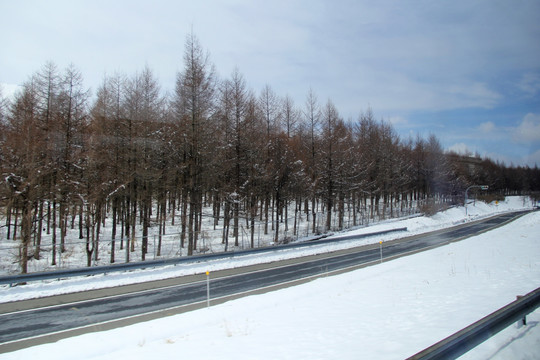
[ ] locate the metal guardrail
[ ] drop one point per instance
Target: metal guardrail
(464, 340)
(68, 273)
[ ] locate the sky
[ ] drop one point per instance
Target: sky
(466, 71)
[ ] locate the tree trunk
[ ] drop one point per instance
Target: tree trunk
(54, 234)
(113, 234)
(8, 219)
(314, 215)
(217, 208)
(89, 240)
(15, 224)
(253, 214)
(97, 221)
(146, 225)
(226, 222)
(353, 200)
(190, 229)
(266, 202)
(278, 207)
(114, 217)
(183, 219)
(133, 223)
(341, 210)
(197, 219)
(37, 250)
(63, 223)
(297, 206)
(236, 214)
(26, 234)
(329, 213)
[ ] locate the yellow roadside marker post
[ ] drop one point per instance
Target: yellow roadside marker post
(207, 289)
(380, 247)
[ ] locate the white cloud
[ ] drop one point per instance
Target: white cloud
(391, 91)
(530, 84)
(398, 121)
(486, 127)
(460, 148)
(470, 94)
(9, 90)
(533, 159)
(505, 159)
(529, 129)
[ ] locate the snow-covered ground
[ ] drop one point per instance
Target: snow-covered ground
(386, 311)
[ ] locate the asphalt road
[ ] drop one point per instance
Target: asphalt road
(32, 326)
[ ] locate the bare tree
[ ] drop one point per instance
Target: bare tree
(144, 109)
(224, 159)
(107, 154)
(290, 116)
(22, 164)
(47, 88)
(270, 109)
(4, 107)
(194, 101)
(240, 99)
(330, 118)
(268, 104)
(312, 118)
(72, 121)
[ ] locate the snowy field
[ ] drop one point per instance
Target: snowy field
(386, 311)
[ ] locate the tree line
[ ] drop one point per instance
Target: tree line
(141, 158)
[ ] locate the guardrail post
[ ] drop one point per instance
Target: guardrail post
(523, 321)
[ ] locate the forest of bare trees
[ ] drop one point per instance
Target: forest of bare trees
(133, 157)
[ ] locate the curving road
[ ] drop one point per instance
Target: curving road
(23, 325)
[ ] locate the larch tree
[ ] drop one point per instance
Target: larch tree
(255, 185)
(312, 119)
(149, 117)
(269, 108)
(437, 168)
(343, 166)
(224, 159)
(22, 165)
(368, 135)
(47, 89)
(330, 118)
(240, 97)
(195, 102)
(71, 125)
(290, 116)
(107, 155)
(133, 104)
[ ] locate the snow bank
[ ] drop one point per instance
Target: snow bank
(454, 216)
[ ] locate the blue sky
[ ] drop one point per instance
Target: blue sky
(466, 71)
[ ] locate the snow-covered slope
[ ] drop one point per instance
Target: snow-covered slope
(387, 311)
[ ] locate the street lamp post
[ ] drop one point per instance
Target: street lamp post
(482, 187)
